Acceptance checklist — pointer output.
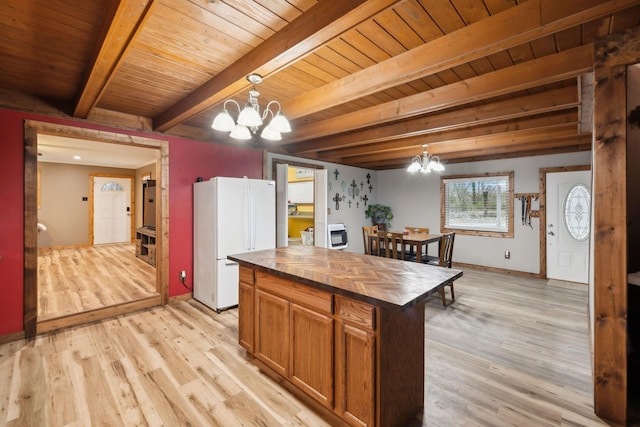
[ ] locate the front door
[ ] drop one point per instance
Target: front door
(568, 225)
(111, 210)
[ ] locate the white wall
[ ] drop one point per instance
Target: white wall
(415, 200)
(352, 216)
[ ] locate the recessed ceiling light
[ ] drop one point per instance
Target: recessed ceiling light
(77, 157)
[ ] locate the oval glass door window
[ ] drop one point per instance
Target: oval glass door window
(577, 212)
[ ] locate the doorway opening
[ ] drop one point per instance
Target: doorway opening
(300, 201)
(118, 260)
(301, 193)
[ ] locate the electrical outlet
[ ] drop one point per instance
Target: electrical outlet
(507, 255)
(183, 275)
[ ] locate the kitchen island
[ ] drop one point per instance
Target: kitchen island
(343, 331)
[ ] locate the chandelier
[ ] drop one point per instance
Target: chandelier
(250, 119)
(425, 164)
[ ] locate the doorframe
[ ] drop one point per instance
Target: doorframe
(292, 163)
(542, 172)
(132, 203)
(31, 130)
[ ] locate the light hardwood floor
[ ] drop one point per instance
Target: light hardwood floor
(76, 280)
(509, 351)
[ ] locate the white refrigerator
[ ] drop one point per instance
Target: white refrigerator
(230, 216)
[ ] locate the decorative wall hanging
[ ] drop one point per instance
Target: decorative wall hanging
(336, 173)
(526, 212)
(337, 199)
(353, 191)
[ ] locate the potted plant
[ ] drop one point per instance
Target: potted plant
(380, 215)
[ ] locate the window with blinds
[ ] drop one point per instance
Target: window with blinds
(478, 204)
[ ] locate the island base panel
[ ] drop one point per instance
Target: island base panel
(400, 380)
(326, 413)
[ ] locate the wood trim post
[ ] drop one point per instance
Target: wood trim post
(612, 56)
(30, 299)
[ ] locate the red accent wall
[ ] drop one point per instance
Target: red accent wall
(192, 160)
(11, 222)
(187, 160)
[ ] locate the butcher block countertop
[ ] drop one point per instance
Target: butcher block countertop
(381, 281)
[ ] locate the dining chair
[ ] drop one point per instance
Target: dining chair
(444, 260)
(391, 245)
(370, 247)
(424, 230)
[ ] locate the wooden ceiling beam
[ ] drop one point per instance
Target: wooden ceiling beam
(302, 36)
(540, 145)
(552, 68)
(120, 27)
(512, 139)
(535, 19)
(534, 148)
(542, 102)
(490, 129)
(568, 146)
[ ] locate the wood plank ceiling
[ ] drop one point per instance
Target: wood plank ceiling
(364, 83)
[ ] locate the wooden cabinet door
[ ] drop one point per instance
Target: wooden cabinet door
(245, 316)
(355, 375)
(272, 331)
(312, 353)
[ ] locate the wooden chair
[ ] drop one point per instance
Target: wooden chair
(424, 230)
(444, 260)
(370, 247)
(391, 245)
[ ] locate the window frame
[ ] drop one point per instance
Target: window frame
(471, 231)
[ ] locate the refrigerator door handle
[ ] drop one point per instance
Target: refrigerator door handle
(253, 217)
(247, 213)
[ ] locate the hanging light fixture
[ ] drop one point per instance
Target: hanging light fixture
(250, 119)
(425, 164)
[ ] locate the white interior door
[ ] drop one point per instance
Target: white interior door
(111, 210)
(282, 205)
(568, 225)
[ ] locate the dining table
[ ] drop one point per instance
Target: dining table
(416, 240)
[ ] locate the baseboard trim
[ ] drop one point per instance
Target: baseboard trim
(15, 336)
(91, 316)
(499, 270)
(60, 248)
(179, 298)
